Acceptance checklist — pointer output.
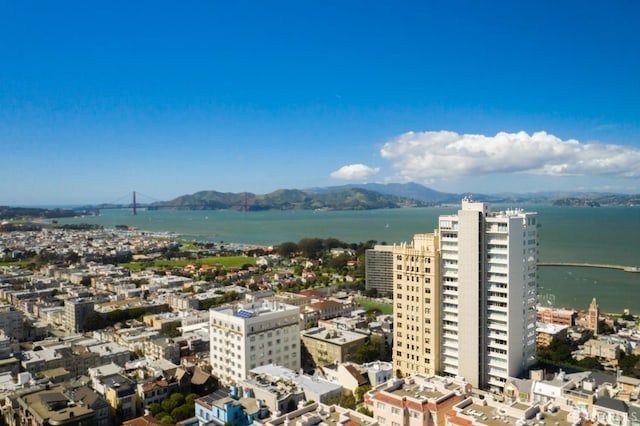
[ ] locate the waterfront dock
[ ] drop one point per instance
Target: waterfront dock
(592, 265)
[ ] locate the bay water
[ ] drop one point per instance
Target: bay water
(605, 235)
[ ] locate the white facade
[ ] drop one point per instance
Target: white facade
(489, 292)
(246, 336)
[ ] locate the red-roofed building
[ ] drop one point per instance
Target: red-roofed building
(416, 400)
(150, 392)
(147, 420)
(326, 309)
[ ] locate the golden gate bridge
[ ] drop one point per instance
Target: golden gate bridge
(151, 203)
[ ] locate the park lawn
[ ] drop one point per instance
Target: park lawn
(20, 263)
(227, 261)
(224, 261)
(132, 266)
(385, 308)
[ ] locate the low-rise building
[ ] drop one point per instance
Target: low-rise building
(322, 414)
(602, 349)
(325, 309)
(487, 411)
(162, 348)
(163, 322)
(416, 399)
(557, 316)
(152, 391)
(120, 393)
(348, 375)
(546, 332)
(12, 322)
(609, 411)
(75, 313)
(226, 406)
(328, 345)
(313, 387)
(48, 406)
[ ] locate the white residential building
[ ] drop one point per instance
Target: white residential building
(248, 335)
(489, 290)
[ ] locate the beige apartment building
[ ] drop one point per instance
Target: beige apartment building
(416, 308)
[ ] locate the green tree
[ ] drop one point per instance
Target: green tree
(173, 330)
(117, 315)
(311, 247)
(346, 400)
(155, 408)
(365, 411)
(339, 262)
(94, 321)
(558, 351)
(167, 420)
(366, 353)
(178, 398)
(287, 249)
(168, 405)
(590, 363)
(361, 390)
(331, 243)
(630, 365)
(191, 398)
(182, 412)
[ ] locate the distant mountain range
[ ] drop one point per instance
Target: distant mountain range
(292, 199)
(376, 196)
(345, 197)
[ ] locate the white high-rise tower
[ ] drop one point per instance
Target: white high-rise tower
(488, 282)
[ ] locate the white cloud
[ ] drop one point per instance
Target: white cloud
(354, 172)
(426, 156)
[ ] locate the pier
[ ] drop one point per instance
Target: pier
(592, 265)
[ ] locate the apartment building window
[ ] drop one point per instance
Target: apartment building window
(395, 410)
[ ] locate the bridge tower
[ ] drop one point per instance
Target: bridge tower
(134, 204)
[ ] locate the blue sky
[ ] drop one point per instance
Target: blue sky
(98, 99)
